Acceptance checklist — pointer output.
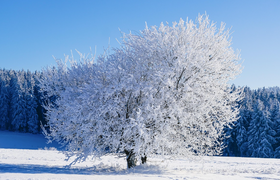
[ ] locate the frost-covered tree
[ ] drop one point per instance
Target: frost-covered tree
(163, 92)
(3, 106)
(31, 104)
(242, 124)
(275, 118)
(232, 133)
(4, 101)
(261, 134)
(37, 95)
(20, 101)
(32, 116)
(18, 104)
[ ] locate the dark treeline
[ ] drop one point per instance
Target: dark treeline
(20, 101)
(255, 134)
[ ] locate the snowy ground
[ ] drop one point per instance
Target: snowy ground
(24, 156)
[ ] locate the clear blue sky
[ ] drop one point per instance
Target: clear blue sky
(32, 31)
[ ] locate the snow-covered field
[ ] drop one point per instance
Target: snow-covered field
(26, 156)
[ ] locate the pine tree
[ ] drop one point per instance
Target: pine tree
(31, 104)
(275, 118)
(260, 135)
(243, 123)
(231, 134)
(18, 104)
(4, 101)
(32, 117)
(39, 99)
(230, 144)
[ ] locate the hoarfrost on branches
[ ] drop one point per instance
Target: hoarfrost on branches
(163, 92)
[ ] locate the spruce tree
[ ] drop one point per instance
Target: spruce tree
(260, 135)
(4, 102)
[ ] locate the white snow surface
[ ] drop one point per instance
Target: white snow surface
(19, 159)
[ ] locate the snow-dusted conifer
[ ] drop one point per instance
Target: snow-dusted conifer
(31, 104)
(166, 84)
(242, 125)
(275, 118)
(32, 117)
(261, 134)
(18, 103)
(4, 101)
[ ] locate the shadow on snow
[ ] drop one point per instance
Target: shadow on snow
(98, 169)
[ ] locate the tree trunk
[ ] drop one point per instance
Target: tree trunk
(130, 158)
(144, 159)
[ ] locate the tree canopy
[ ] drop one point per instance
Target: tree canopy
(163, 92)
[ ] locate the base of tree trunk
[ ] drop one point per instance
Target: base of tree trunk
(130, 158)
(144, 159)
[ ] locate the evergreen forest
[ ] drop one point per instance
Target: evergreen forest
(255, 134)
(20, 101)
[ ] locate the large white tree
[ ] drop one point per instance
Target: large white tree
(163, 92)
